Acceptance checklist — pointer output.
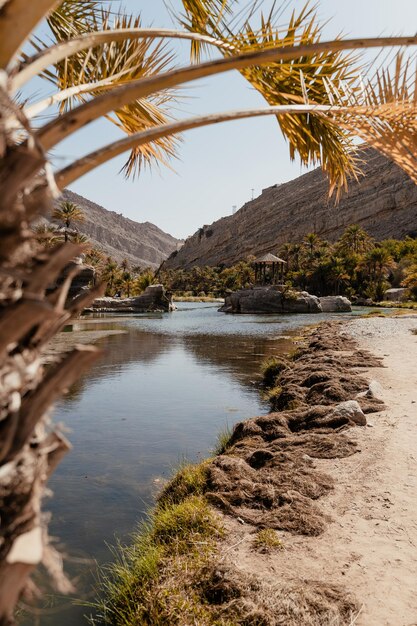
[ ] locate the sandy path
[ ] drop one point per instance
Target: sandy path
(379, 528)
(370, 546)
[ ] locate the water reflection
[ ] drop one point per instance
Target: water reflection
(159, 393)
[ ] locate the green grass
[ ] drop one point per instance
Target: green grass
(223, 441)
(271, 369)
(273, 394)
(190, 479)
(153, 581)
(267, 539)
(387, 304)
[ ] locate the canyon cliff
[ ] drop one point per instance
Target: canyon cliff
(383, 202)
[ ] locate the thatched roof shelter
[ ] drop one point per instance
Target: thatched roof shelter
(269, 269)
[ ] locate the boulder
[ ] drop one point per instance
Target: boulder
(374, 391)
(335, 304)
(349, 411)
(270, 300)
(399, 294)
(154, 298)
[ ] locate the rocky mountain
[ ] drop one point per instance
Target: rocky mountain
(383, 202)
(142, 244)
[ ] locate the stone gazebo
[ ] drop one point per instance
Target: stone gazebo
(269, 270)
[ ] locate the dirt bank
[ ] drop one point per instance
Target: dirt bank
(307, 515)
(369, 545)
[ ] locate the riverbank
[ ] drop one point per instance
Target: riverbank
(369, 548)
(288, 512)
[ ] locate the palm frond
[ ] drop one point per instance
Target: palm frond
(203, 16)
(383, 112)
(302, 80)
(101, 68)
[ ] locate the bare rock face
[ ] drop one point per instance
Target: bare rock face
(335, 304)
(154, 298)
(383, 202)
(141, 244)
(269, 300)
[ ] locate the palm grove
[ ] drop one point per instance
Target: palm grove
(101, 64)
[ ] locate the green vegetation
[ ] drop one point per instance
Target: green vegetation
(49, 235)
(154, 580)
(190, 479)
(271, 368)
(267, 539)
(355, 266)
(223, 441)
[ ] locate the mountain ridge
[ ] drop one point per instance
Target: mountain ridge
(383, 201)
(141, 243)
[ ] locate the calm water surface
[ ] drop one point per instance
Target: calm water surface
(160, 394)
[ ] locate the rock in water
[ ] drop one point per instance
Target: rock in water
(270, 300)
(154, 298)
(335, 304)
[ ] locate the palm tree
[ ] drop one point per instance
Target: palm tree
(355, 240)
(68, 212)
(126, 283)
(110, 275)
(311, 241)
(47, 235)
(110, 67)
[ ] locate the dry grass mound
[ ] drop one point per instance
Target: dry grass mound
(248, 601)
(270, 489)
(266, 476)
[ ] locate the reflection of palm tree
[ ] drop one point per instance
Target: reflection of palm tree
(68, 212)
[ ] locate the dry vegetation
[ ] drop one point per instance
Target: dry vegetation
(177, 569)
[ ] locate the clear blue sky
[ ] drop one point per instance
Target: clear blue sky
(218, 166)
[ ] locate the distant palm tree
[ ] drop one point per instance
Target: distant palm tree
(355, 240)
(47, 235)
(110, 275)
(68, 212)
(126, 283)
(311, 241)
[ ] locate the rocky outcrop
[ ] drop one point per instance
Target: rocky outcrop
(269, 300)
(335, 304)
(121, 238)
(383, 202)
(154, 298)
(400, 294)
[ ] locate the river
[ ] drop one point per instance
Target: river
(162, 391)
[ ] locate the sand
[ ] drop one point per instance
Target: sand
(370, 543)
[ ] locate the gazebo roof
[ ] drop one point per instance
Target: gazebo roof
(269, 258)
